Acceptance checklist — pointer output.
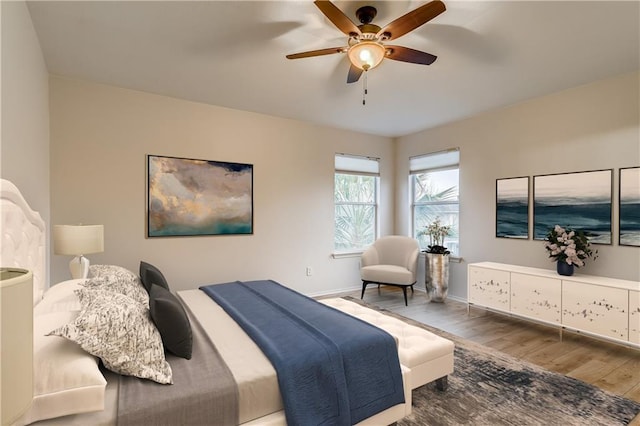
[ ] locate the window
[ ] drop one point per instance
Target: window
(434, 188)
(356, 202)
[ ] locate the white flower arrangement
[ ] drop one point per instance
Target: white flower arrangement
(568, 245)
(436, 233)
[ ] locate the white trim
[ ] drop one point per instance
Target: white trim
(346, 254)
(337, 293)
(457, 298)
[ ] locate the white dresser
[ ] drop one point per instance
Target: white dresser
(604, 307)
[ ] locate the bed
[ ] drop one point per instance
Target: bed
(72, 387)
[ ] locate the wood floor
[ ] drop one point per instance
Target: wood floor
(609, 366)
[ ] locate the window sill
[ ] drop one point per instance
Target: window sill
(346, 254)
(452, 259)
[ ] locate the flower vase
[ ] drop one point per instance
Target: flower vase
(564, 268)
(437, 276)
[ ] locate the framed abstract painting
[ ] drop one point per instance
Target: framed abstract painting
(512, 207)
(189, 197)
(580, 200)
(629, 206)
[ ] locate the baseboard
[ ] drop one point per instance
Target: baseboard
(457, 298)
(337, 292)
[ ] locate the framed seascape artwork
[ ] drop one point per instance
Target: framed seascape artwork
(629, 206)
(512, 207)
(581, 201)
(187, 197)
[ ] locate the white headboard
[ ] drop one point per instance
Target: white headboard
(23, 237)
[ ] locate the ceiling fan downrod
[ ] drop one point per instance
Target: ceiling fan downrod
(365, 14)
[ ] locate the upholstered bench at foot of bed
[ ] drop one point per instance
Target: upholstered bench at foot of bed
(428, 356)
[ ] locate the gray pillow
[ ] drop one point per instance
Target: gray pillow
(149, 274)
(172, 321)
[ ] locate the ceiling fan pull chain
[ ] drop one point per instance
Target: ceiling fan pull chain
(364, 87)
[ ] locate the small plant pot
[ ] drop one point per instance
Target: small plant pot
(564, 268)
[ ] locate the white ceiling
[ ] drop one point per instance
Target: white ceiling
(232, 54)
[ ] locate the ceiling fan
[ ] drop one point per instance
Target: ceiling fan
(366, 46)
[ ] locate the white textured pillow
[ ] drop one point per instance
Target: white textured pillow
(60, 298)
(67, 380)
(112, 272)
(118, 330)
(118, 279)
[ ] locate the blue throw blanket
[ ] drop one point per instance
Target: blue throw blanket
(333, 369)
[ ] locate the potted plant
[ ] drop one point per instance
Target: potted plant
(437, 268)
(569, 248)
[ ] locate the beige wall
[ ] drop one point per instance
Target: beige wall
(101, 134)
(24, 147)
(592, 127)
(25, 107)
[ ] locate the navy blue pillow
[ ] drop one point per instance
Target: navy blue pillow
(171, 320)
(149, 274)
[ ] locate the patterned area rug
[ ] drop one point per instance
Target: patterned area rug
(489, 387)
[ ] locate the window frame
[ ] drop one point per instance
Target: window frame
(375, 204)
(413, 177)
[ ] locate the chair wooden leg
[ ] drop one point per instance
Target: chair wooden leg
(404, 291)
(364, 286)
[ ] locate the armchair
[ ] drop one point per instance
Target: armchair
(390, 260)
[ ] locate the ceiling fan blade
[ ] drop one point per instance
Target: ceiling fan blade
(319, 52)
(405, 54)
(412, 20)
(354, 74)
(339, 19)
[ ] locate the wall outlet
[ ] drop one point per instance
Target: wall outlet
(309, 271)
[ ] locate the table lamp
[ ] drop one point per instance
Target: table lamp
(78, 240)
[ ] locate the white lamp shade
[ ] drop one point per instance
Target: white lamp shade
(366, 54)
(78, 239)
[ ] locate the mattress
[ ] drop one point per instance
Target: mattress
(258, 391)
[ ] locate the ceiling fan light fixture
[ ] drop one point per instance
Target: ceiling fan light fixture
(366, 54)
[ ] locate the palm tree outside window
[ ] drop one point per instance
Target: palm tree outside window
(435, 194)
(356, 202)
